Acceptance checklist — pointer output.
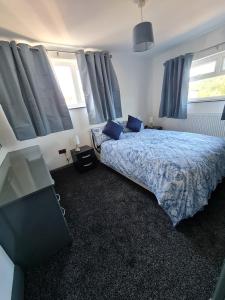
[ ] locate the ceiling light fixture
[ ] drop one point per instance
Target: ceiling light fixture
(143, 38)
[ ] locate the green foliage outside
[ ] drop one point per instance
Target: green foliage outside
(210, 87)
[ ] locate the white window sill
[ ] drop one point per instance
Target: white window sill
(77, 107)
(203, 100)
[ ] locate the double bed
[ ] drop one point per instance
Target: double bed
(180, 168)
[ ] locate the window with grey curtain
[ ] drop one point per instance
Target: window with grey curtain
(29, 94)
(100, 85)
(223, 114)
(175, 87)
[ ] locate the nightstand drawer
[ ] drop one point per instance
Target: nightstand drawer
(82, 167)
(86, 157)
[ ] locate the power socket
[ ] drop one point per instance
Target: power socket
(62, 151)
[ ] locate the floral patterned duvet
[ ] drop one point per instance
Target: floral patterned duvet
(180, 168)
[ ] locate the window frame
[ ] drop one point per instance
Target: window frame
(72, 64)
(219, 57)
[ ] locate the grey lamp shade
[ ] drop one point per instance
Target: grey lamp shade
(143, 38)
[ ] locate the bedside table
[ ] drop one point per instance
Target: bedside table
(153, 127)
(85, 159)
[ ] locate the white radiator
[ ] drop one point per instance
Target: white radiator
(210, 124)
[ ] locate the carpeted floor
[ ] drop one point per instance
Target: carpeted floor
(124, 246)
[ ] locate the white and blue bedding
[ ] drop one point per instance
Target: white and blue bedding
(180, 168)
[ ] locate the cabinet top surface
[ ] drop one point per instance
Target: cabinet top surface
(82, 150)
(23, 172)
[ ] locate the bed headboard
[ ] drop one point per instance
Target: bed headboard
(96, 147)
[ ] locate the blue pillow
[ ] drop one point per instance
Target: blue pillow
(134, 124)
(113, 130)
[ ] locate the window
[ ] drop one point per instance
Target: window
(207, 79)
(68, 77)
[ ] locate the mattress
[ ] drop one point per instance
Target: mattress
(180, 168)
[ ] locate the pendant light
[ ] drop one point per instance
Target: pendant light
(143, 38)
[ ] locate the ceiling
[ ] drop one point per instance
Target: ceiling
(106, 24)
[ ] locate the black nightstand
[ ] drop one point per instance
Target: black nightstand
(153, 127)
(85, 159)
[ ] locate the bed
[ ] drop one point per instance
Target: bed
(180, 168)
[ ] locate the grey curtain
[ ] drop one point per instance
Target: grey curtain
(175, 87)
(223, 114)
(100, 85)
(29, 93)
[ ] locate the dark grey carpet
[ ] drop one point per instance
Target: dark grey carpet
(124, 246)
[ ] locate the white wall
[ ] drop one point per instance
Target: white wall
(205, 41)
(132, 72)
(6, 275)
(134, 77)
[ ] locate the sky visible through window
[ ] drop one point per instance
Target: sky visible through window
(65, 80)
(203, 69)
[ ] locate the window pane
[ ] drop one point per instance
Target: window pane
(206, 88)
(204, 68)
(224, 64)
(65, 79)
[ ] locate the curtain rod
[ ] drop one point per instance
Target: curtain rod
(211, 47)
(33, 48)
(63, 51)
(75, 51)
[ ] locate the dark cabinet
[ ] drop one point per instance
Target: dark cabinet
(85, 159)
(32, 226)
(153, 127)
